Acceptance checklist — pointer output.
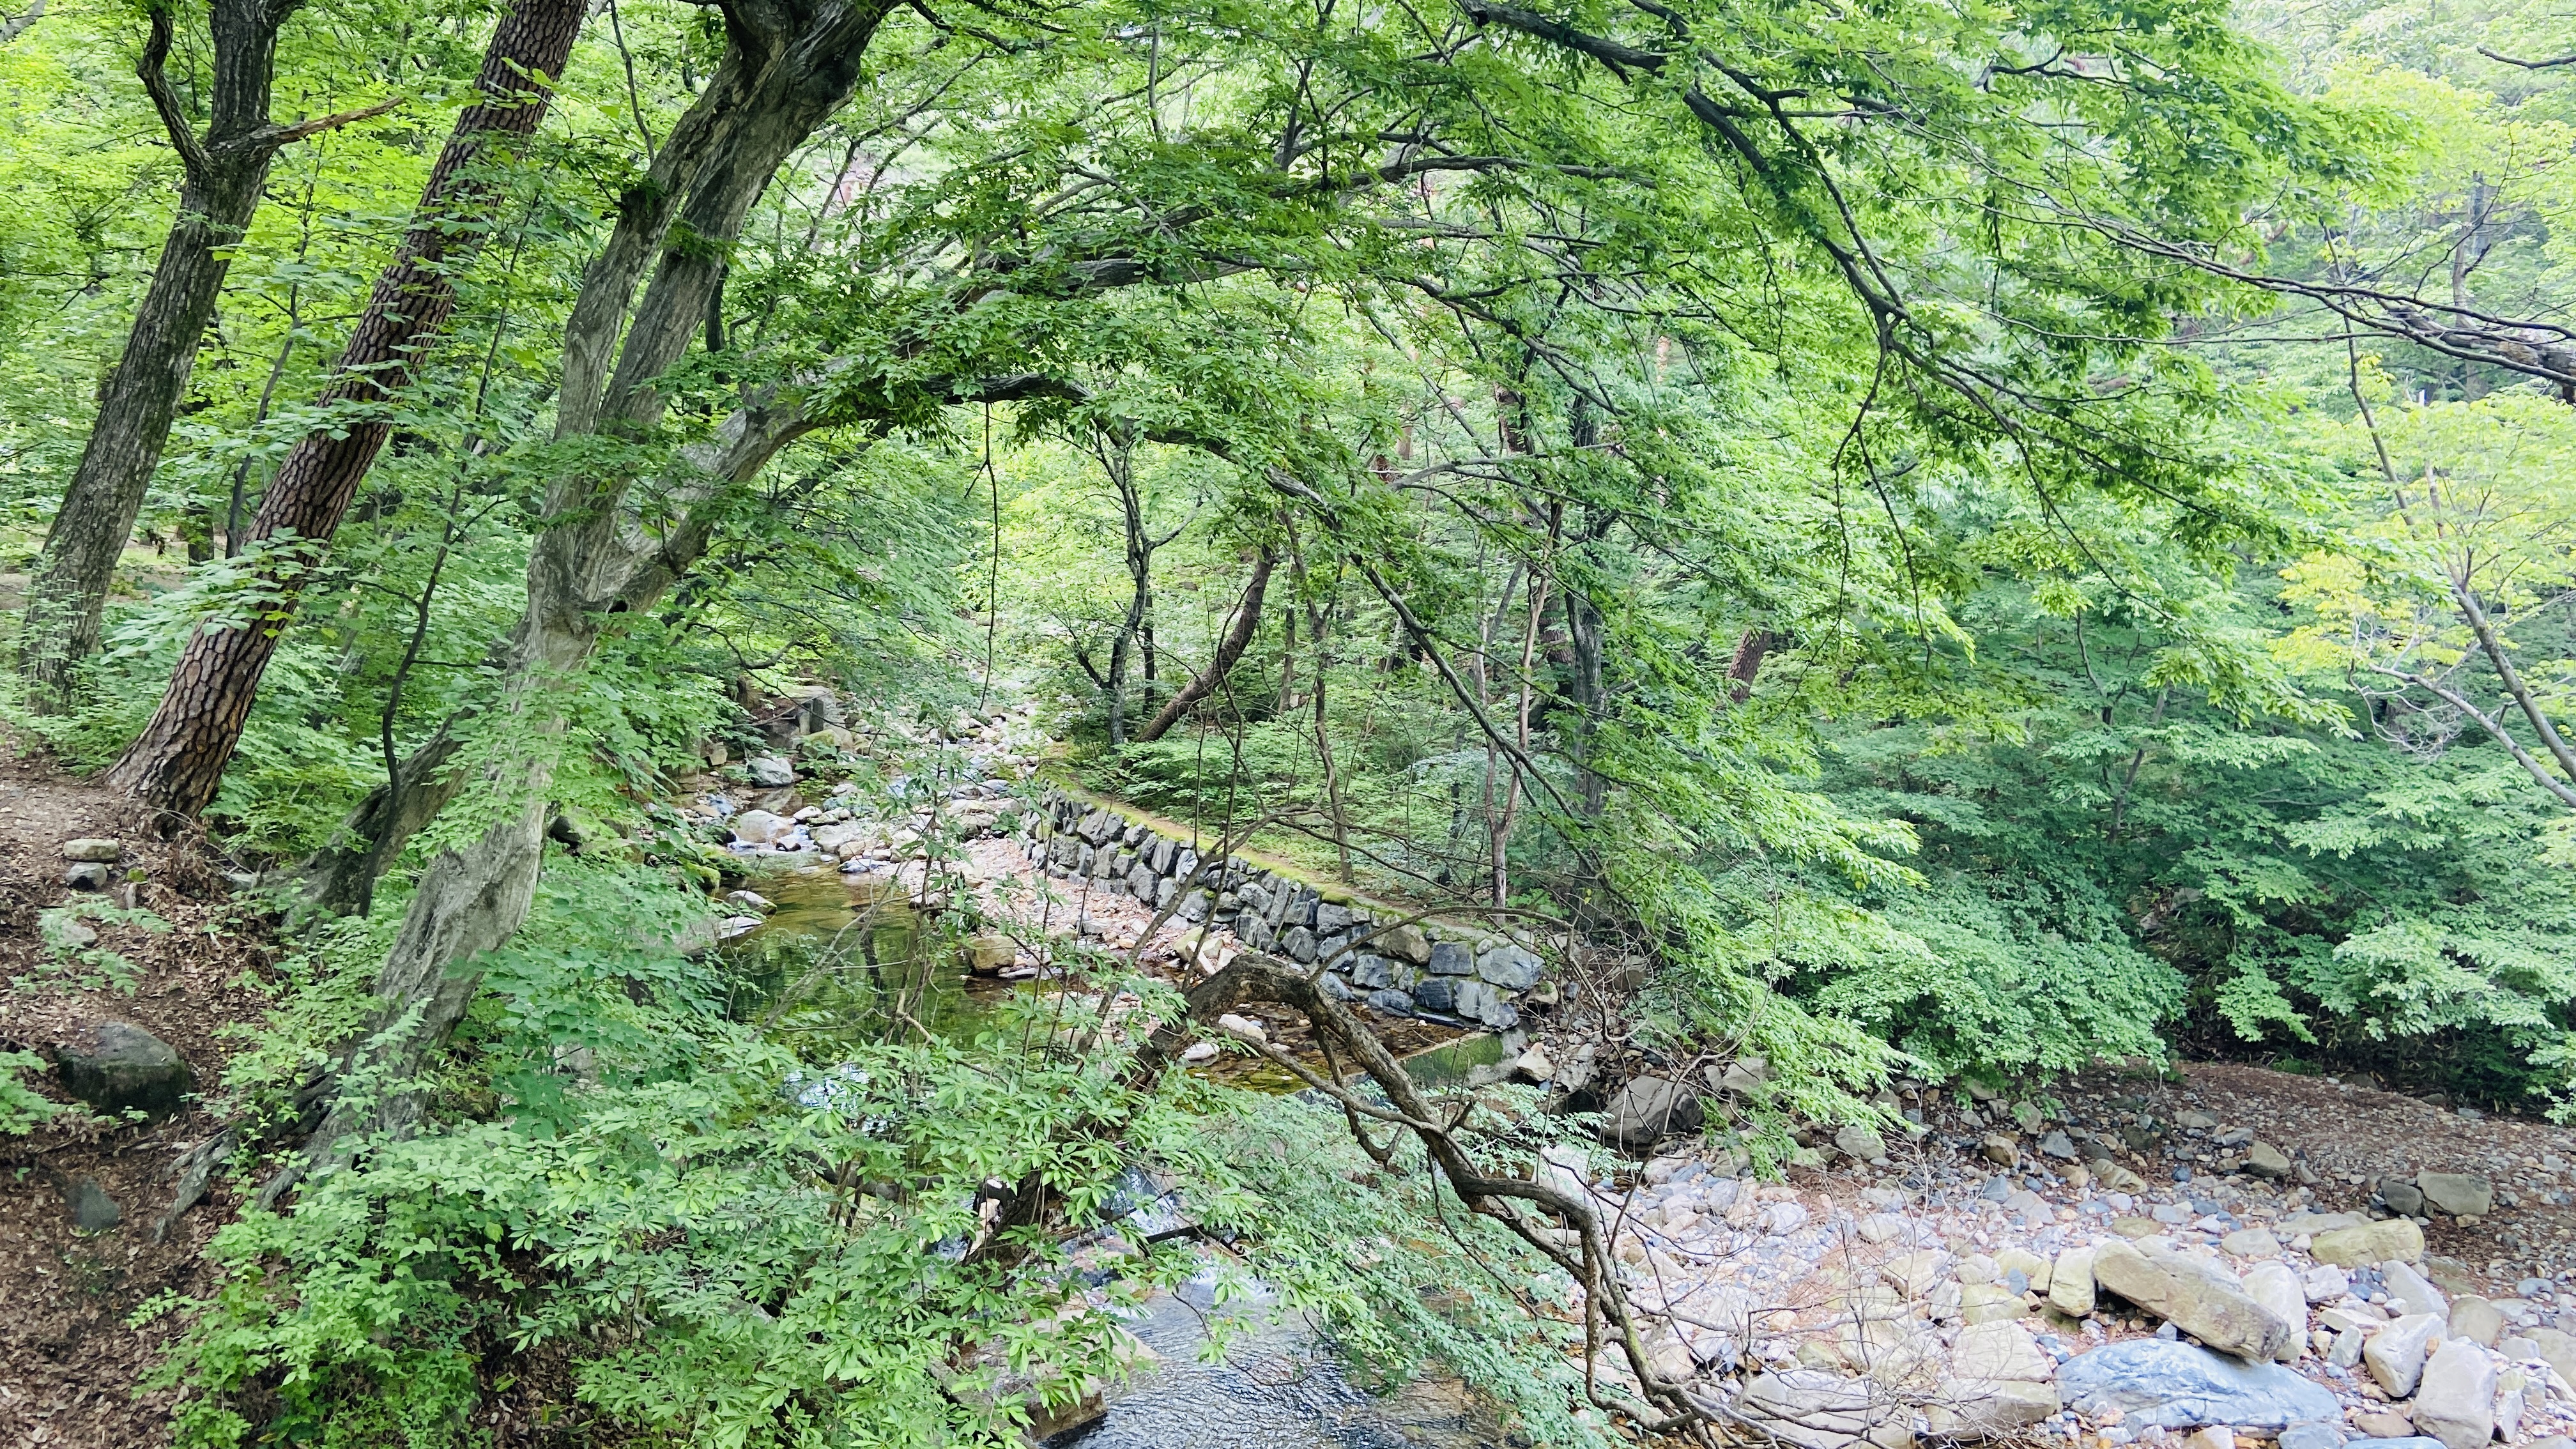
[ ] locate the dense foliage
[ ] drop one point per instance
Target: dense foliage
(1880, 534)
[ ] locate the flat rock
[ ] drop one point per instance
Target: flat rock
(115, 1066)
(2455, 1402)
(1812, 1409)
(2265, 1160)
(2250, 1243)
(2197, 1298)
(2311, 1436)
(2392, 1239)
(2460, 1194)
(2395, 1354)
(2178, 1386)
(93, 848)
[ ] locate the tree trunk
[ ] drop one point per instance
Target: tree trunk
(784, 72)
(1246, 619)
(178, 761)
(224, 170)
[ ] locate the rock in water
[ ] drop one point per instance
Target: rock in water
(1650, 1108)
(2177, 1386)
(115, 1065)
(2455, 1402)
(2391, 1239)
(2395, 1354)
(770, 772)
(2460, 1194)
(2198, 1298)
(761, 827)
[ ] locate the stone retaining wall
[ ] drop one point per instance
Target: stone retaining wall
(1397, 969)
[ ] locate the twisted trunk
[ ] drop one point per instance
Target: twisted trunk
(178, 761)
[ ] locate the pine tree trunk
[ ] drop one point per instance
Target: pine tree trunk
(178, 761)
(225, 170)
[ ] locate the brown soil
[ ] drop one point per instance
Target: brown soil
(69, 1365)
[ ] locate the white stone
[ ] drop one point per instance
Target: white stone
(2395, 1353)
(2274, 1286)
(2410, 1292)
(2455, 1402)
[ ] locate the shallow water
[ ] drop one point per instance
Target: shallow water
(1277, 1388)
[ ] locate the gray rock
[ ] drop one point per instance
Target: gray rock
(2312, 1436)
(1140, 884)
(2407, 1441)
(2477, 1320)
(93, 848)
(1330, 917)
(1336, 988)
(1436, 993)
(2177, 1386)
(1648, 1109)
(1812, 1409)
(1480, 1002)
(2265, 1160)
(769, 772)
(2195, 1296)
(1390, 1003)
(2325, 1283)
(1859, 1139)
(1301, 909)
(93, 1211)
(1510, 968)
(2395, 1354)
(89, 875)
(1448, 958)
(2411, 1292)
(2401, 1196)
(2058, 1145)
(1195, 908)
(115, 1065)
(1406, 941)
(2460, 1194)
(1185, 863)
(2455, 1401)
(1299, 943)
(2274, 1286)
(1372, 973)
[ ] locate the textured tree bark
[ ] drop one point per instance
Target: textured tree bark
(224, 172)
(177, 763)
(1246, 618)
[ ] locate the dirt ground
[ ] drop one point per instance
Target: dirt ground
(69, 1365)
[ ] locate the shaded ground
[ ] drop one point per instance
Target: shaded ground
(68, 1363)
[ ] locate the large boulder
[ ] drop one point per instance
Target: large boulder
(1812, 1409)
(2176, 1386)
(762, 827)
(2455, 1401)
(2197, 1297)
(2354, 1247)
(1648, 1109)
(1509, 967)
(2460, 1194)
(116, 1067)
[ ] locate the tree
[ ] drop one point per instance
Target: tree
(177, 763)
(224, 170)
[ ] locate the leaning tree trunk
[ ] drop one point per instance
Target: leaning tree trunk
(178, 761)
(224, 172)
(1246, 619)
(783, 74)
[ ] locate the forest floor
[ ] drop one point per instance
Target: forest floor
(69, 1362)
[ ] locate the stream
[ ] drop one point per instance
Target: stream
(1279, 1386)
